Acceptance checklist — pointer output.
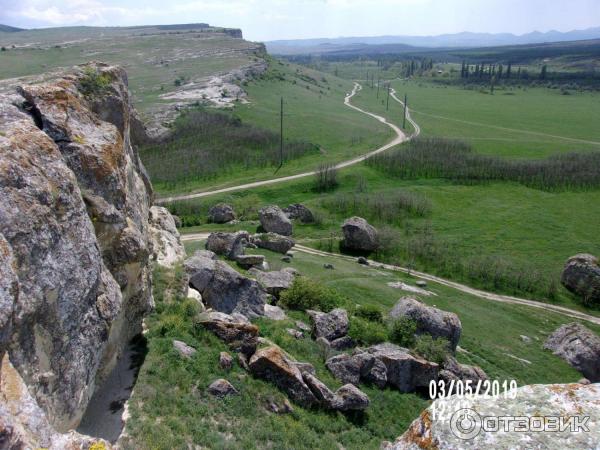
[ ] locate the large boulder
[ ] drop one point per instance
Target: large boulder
(74, 214)
(273, 219)
(579, 346)
(274, 242)
(274, 282)
(429, 320)
(359, 235)
(298, 211)
(384, 365)
(581, 275)
(238, 334)
(331, 325)
(437, 426)
(221, 213)
(166, 242)
(271, 364)
(230, 245)
(223, 288)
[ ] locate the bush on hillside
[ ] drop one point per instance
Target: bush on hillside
(366, 332)
(435, 350)
(402, 332)
(308, 294)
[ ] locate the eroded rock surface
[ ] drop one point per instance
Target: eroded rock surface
(359, 235)
(433, 430)
(579, 346)
(274, 220)
(223, 288)
(166, 242)
(221, 213)
(274, 242)
(581, 275)
(429, 320)
(74, 213)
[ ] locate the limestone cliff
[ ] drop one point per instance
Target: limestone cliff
(75, 240)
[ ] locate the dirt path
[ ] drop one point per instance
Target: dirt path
(425, 276)
(400, 137)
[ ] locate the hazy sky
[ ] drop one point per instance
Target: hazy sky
(284, 19)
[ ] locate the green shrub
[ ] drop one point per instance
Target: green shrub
(308, 294)
(366, 332)
(369, 312)
(93, 82)
(435, 350)
(402, 331)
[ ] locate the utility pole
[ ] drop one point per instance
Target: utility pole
(280, 137)
(404, 120)
(378, 82)
(387, 105)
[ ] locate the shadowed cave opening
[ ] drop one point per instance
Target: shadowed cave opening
(103, 416)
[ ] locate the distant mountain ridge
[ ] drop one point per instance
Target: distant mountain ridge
(464, 39)
(9, 29)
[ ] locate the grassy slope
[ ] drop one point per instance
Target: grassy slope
(314, 111)
(170, 408)
(537, 110)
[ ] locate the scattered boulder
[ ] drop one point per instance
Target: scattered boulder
(284, 408)
(453, 370)
(225, 361)
(274, 282)
(429, 320)
(248, 261)
(184, 350)
(224, 289)
(421, 284)
(305, 367)
(240, 336)
(298, 211)
(221, 388)
(196, 296)
(434, 430)
(274, 312)
(295, 333)
(221, 213)
(274, 242)
(328, 266)
(331, 325)
(273, 219)
(362, 261)
(384, 365)
(581, 275)
(271, 364)
(302, 326)
(579, 346)
(166, 242)
(345, 368)
(230, 245)
(359, 235)
(350, 398)
(291, 270)
(323, 394)
(342, 343)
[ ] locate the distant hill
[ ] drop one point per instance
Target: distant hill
(9, 29)
(465, 39)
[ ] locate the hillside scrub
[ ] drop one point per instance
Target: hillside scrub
(204, 145)
(456, 161)
(308, 294)
(388, 207)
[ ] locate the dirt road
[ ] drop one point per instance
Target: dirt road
(398, 139)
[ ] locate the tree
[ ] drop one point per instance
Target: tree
(3, 49)
(544, 73)
(462, 69)
(500, 70)
(508, 70)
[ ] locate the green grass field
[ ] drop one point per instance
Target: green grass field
(169, 407)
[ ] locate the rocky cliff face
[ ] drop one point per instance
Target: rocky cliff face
(75, 240)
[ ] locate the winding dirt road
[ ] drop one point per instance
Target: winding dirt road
(398, 139)
(451, 284)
